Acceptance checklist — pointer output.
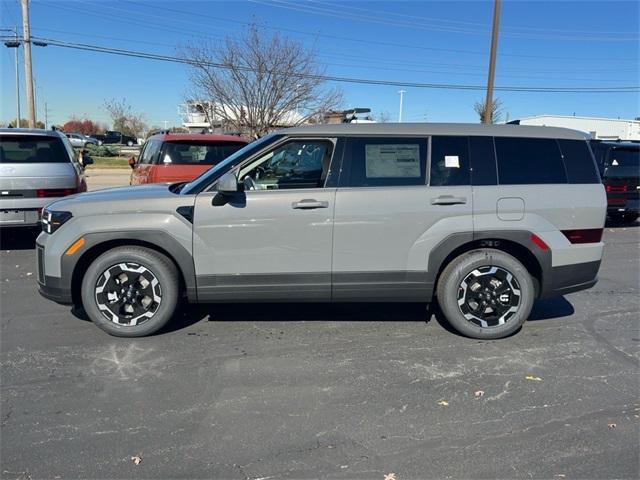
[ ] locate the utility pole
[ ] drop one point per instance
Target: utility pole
(401, 92)
(28, 73)
(15, 32)
(488, 104)
(46, 115)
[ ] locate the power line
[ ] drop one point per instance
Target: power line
(381, 19)
(387, 13)
(361, 40)
(331, 78)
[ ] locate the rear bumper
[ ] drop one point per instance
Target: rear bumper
(571, 278)
(629, 206)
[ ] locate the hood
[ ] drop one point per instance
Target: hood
(152, 198)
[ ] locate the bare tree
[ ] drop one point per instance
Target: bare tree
(383, 117)
(496, 110)
(254, 83)
(124, 119)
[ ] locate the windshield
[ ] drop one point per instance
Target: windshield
(32, 149)
(201, 182)
(624, 157)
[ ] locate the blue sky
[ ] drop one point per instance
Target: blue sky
(542, 44)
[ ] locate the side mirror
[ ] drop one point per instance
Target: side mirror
(132, 162)
(86, 160)
(228, 183)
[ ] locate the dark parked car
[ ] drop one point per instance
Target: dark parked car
(112, 137)
(619, 166)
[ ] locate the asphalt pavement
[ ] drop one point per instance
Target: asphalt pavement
(322, 391)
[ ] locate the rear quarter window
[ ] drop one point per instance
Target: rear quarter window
(198, 153)
(32, 149)
(579, 163)
(523, 161)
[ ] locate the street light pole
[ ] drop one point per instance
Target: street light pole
(488, 104)
(401, 92)
(28, 72)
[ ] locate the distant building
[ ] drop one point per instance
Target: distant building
(197, 116)
(598, 128)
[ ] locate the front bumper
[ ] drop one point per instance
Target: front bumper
(50, 287)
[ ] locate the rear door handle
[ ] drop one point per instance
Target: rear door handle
(448, 200)
(308, 204)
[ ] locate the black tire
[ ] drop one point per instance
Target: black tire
(148, 295)
(460, 280)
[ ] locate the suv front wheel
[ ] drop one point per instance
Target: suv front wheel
(485, 294)
(130, 291)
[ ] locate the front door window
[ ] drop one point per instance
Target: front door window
(296, 164)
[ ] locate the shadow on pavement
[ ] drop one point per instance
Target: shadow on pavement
(551, 308)
(18, 238)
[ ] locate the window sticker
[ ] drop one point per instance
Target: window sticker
(451, 161)
(392, 161)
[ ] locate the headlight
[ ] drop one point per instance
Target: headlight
(52, 221)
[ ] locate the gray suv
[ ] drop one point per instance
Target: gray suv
(482, 219)
(36, 167)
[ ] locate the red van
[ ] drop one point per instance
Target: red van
(179, 157)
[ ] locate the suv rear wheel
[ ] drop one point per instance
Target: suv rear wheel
(130, 291)
(485, 294)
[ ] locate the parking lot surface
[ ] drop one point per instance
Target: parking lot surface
(323, 391)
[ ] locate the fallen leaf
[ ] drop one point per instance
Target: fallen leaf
(534, 378)
(478, 393)
(136, 460)
(390, 476)
(612, 425)
(443, 403)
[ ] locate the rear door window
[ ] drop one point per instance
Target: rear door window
(32, 149)
(578, 161)
(449, 161)
(384, 162)
(198, 153)
(524, 161)
(624, 157)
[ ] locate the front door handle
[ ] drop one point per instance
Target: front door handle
(448, 200)
(308, 204)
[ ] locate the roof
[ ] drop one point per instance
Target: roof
(550, 115)
(420, 129)
(30, 131)
(198, 137)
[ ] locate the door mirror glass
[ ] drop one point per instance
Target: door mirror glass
(228, 183)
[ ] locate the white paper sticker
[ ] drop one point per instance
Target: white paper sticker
(615, 162)
(452, 161)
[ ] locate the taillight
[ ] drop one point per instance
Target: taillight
(55, 192)
(616, 188)
(587, 235)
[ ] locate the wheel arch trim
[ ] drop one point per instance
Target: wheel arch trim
(98, 243)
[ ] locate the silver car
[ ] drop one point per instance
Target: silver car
(482, 219)
(79, 140)
(36, 168)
